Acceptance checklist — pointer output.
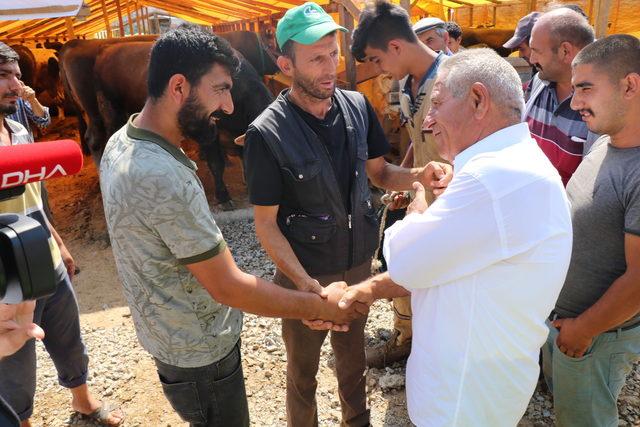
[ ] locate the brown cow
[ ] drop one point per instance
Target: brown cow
(120, 79)
(77, 59)
(27, 63)
(491, 37)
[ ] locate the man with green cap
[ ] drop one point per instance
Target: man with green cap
(307, 158)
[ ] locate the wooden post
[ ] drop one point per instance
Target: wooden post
(602, 18)
(105, 14)
(120, 24)
(493, 19)
(590, 12)
(129, 20)
(346, 20)
(471, 15)
(138, 20)
(145, 21)
(70, 32)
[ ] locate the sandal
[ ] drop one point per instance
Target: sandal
(102, 414)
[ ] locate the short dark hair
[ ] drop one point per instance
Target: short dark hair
(617, 56)
(453, 29)
(189, 51)
(379, 23)
(7, 54)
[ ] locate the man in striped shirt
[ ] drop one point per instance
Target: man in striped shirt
(556, 39)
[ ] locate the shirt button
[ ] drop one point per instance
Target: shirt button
(356, 173)
(313, 237)
(300, 176)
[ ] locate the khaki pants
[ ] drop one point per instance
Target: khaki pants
(402, 319)
(303, 356)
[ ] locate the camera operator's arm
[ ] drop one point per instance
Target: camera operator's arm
(17, 327)
(69, 263)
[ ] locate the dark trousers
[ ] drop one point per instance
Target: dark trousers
(303, 356)
(58, 316)
(212, 395)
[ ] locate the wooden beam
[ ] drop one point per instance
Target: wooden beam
(120, 23)
(346, 20)
(129, 20)
(602, 18)
(107, 23)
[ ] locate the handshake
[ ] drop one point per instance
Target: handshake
(342, 305)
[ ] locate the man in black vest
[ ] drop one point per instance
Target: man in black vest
(307, 157)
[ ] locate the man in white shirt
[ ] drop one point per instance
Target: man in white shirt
(486, 261)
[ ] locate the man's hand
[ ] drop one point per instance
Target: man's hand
(572, 339)
(357, 294)
(340, 318)
(396, 200)
(68, 261)
(311, 285)
(27, 93)
(419, 203)
(17, 327)
(437, 176)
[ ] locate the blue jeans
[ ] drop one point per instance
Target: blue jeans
(58, 316)
(208, 396)
(586, 389)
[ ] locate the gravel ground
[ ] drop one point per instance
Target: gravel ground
(122, 372)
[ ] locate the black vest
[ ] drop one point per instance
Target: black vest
(326, 238)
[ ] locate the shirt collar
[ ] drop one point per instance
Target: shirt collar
(431, 73)
(497, 141)
(146, 135)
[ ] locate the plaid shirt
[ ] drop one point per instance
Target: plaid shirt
(24, 115)
(560, 131)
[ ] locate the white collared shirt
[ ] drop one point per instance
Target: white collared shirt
(485, 264)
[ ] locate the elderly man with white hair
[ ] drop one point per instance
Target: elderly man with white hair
(486, 261)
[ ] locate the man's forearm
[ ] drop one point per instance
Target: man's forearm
(397, 178)
(37, 108)
(382, 286)
(280, 251)
(618, 304)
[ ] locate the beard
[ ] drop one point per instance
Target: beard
(195, 123)
(8, 109)
(312, 89)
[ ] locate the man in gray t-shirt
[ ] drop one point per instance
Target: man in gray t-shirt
(594, 334)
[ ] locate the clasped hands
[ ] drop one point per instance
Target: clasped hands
(349, 303)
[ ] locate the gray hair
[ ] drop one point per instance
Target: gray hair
(485, 66)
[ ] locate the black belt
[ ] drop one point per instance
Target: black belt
(554, 316)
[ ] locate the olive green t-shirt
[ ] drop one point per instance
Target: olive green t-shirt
(159, 221)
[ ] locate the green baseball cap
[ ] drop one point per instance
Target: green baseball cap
(305, 24)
